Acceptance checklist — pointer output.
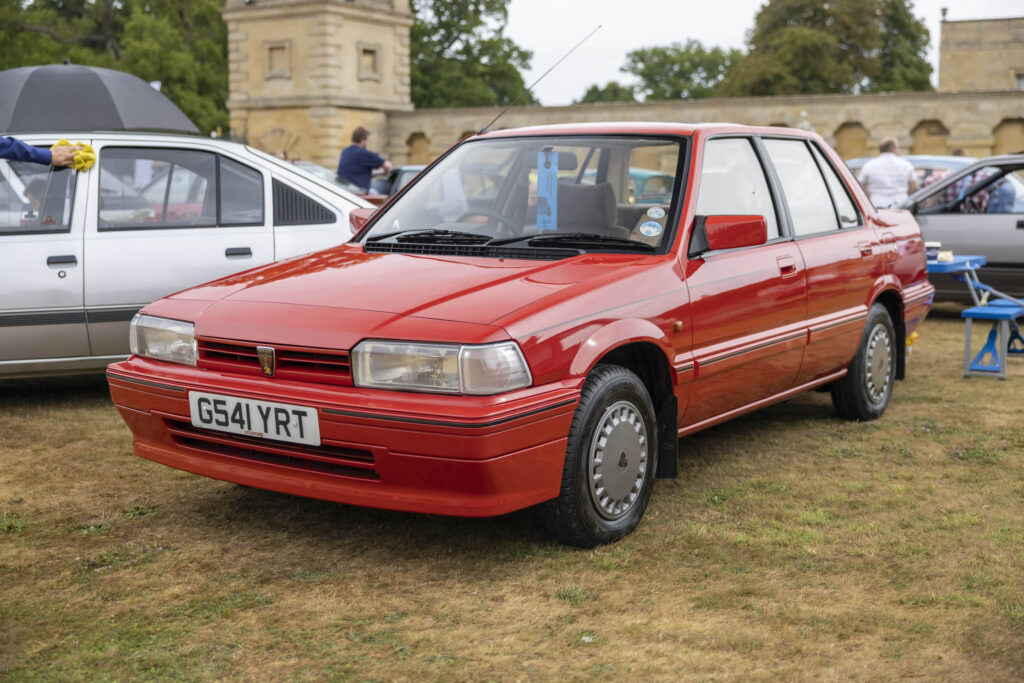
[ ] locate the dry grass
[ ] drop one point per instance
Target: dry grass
(793, 545)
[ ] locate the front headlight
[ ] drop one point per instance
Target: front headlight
(445, 368)
(163, 339)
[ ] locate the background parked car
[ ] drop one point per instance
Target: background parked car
(393, 181)
(925, 165)
(329, 175)
(81, 253)
(978, 210)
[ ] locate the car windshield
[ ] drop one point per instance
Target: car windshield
(542, 190)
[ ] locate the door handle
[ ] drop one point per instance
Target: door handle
(865, 248)
(238, 252)
(65, 260)
(1020, 225)
(787, 265)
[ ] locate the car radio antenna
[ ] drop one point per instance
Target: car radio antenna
(531, 87)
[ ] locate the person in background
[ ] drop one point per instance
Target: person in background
(357, 163)
(14, 149)
(887, 179)
(34, 193)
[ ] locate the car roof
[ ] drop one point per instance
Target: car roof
(944, 160)
(216, 143)
(643, 128)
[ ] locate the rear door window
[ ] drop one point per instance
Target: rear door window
(176, 188)
(810, 205)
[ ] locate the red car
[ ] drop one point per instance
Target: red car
(545, 342)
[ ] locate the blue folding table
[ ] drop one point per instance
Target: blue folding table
(1002, 311)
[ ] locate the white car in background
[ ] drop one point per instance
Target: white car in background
(81, 253)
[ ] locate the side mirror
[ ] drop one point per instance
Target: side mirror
(358, 218)
(711, 233)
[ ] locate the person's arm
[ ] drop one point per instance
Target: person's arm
(863, 180)
(386, 166)
(912, 181)
(374, 160)
(16, 150)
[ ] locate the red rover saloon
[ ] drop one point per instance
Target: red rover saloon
(522, 326)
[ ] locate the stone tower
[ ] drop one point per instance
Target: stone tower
(305, 73)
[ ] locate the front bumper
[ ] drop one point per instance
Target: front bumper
(453, 455)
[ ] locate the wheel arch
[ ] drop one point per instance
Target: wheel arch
(639, 346)
(893, 302)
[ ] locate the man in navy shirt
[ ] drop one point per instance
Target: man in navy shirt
(16, 150)
(357, 162)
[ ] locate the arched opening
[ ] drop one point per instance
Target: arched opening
(419, 148)
(852, 140)
(929, 137)
(1008, 137)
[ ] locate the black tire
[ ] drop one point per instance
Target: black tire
(863, 394)
(590, 512)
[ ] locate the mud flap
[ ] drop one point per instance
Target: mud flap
(668, 438)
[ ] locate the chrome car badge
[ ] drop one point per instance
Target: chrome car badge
(266, 358)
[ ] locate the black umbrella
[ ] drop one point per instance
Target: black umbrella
(66, 98)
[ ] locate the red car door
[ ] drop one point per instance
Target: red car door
(840, 252)
(748, 305)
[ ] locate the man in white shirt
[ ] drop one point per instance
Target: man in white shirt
(887, 179)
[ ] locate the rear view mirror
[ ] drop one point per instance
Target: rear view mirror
(711, 233)
(358, 218)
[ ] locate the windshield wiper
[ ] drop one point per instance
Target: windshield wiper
(583, 238)
(431, 235)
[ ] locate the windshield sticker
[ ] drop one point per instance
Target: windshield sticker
(656, 212)
(650, 228)
(547, 190)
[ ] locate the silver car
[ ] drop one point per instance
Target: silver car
(977, 210)
(81, 253)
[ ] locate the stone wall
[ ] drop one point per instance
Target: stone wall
(980, 123)
(985, 54)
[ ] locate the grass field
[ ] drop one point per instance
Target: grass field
(792, 546)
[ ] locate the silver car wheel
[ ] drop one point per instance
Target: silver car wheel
(618, 461)
(878, 364)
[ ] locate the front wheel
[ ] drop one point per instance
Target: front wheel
(610, 461)
(863, 394)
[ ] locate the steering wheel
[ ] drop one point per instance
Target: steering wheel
(489, 214)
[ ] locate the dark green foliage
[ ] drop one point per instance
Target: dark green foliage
(181, 43)
(461, 58)
(808, 47)
(677, 71)
(612, 91)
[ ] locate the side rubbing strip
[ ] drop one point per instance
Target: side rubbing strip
(442, 423)
(754, 348)
(158, 385)
(42, 318)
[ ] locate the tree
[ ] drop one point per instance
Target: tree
(807, 46)
(181, 43)
(613, 91)
(678, 71)
(461, 58)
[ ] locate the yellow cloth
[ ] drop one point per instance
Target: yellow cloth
(84, 158)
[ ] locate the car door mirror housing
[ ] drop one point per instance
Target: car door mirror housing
(712, 233)
(358, 218)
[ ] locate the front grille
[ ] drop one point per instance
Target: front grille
(325, 366)
(326, 458)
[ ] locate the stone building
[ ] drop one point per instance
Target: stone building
(305, 73)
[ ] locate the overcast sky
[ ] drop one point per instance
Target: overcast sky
(550, 27)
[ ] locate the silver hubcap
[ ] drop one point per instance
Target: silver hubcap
(878, 364)
(618, 460)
